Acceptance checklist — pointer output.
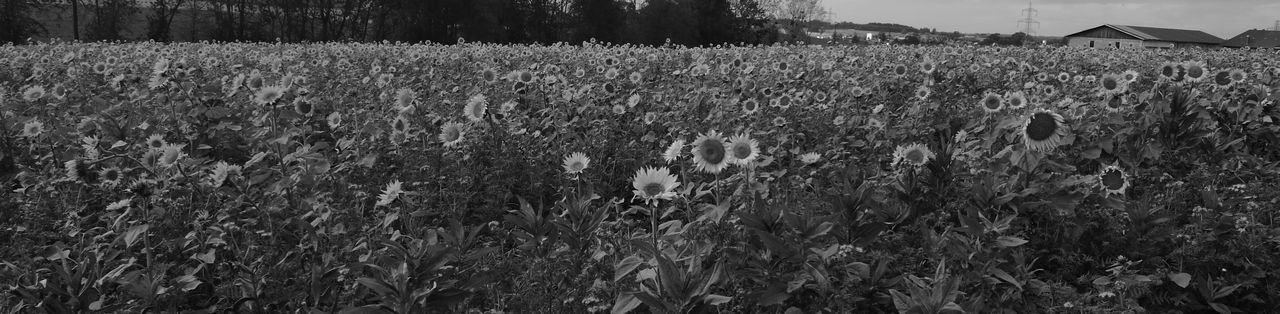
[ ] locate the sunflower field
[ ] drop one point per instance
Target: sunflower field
(474, 178)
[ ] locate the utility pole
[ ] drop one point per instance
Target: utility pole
(1028, 23)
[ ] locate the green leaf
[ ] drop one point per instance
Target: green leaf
(1003, 275)
(1180, 279)
(1010, 241)
(625, 267)
(1092, 153)
(625, 303)
(132, 235)
(715, 299)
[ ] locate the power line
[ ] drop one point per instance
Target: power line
(1029, 23)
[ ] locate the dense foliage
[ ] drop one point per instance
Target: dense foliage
(416, 178)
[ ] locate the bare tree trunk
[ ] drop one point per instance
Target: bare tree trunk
(75, 19)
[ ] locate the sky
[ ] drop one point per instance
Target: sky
(1222, 18)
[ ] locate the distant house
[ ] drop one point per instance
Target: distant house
(1135, 37)
(1255, 38)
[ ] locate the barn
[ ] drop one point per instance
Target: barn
(1255, 38)
(1135, 37)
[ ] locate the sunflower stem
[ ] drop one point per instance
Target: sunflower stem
(657, 252)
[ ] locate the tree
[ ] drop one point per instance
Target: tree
(110, 18)
(161, 19)
(15, 25)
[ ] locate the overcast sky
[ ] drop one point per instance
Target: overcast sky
(1223, 18)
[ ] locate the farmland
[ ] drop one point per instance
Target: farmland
(370, 178)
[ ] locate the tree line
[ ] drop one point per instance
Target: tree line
(647, 22)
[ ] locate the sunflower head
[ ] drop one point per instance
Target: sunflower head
(1195, 71)
(303, 106)
(1044, 130)
(32, 128)
(750, 106)
(451, 134)
(111, 176)
(1112, 84)
(1223, 79)
(991, 103)
(576, 162)
(1015, 100)
(914, 155)
(710, 152)
(809, 158)
(268, 95)
(170, 154)
(673, 151)
(653, 184)
(743, 150)
(1113, 180)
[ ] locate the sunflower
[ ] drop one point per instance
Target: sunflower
(451, 134)
(1223, 79)
(1129, 76)
(1044, 130)
(928, 66)
(782, 102)
(1112, 84)
(1195, 71)
(155, 142)
(1115, 103)
(576, 162)
(1048, 90)
(170, 154)
(111, 176)
(743, 150)
(476, 107)
(915, 155)
(405, 97)
(673, 151)
(389, 194)
(619, 109)
(1113, 180)
(1238, 76)
(750, 106)
(303, 107)
(779, 121)
(653, 184)
(991, 103)
(77, 170)
(400, 124)
(220, 173)
(1015, 100)
(1168, 71)
(923, 92)
(900, 70)
(809, 158)
(118, 205)
(334, 119)
(268, 95)
(33, 93)
(32, 128)
(1064, 77)
(710, 152)
(489, 75)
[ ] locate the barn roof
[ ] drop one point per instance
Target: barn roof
(1259, 38)
(1161, 34)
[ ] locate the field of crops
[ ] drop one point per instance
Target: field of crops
(374, 178)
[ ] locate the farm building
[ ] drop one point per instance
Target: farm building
(1255, 38)
(1134, 37)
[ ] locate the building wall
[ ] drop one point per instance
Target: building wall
(1112, 43)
